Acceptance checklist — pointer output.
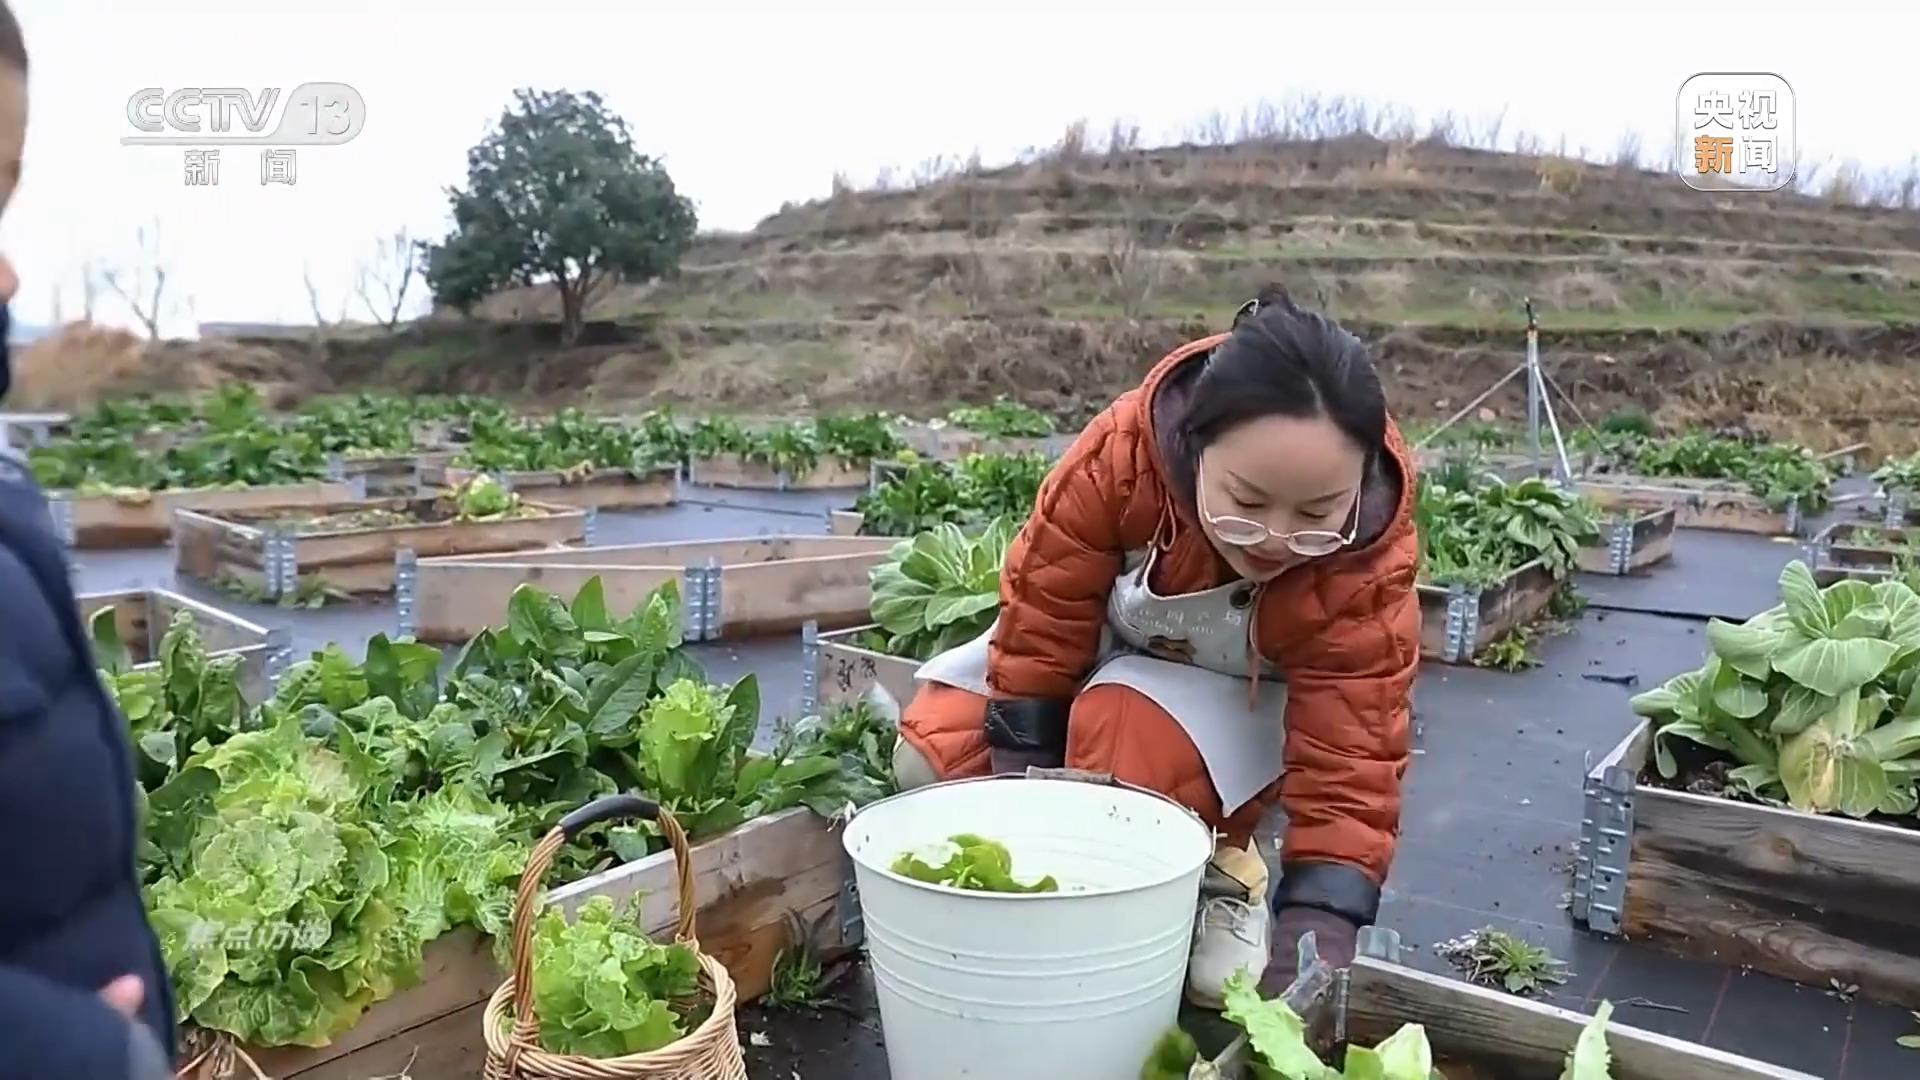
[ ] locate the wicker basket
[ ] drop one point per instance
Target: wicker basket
(709, 1052)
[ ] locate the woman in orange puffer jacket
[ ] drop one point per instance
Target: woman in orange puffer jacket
(1214, 599)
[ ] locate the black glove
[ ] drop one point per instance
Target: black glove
(1023, 732)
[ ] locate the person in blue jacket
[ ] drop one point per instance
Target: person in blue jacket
(83, 988)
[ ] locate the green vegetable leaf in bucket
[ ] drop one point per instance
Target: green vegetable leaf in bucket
(976, 865)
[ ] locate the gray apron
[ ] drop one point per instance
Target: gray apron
(1188, 654)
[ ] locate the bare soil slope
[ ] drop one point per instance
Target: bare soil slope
(1060, 279)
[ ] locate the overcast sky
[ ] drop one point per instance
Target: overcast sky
(750, 110)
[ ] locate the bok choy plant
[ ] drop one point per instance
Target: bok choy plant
(1816, 701)
(940, 589)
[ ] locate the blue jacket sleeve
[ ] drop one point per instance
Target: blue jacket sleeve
(54, 1030)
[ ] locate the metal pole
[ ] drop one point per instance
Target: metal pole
(1536, 387)
(1470, 406)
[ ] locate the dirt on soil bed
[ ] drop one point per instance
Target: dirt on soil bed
(1701, 772)
(418, 512)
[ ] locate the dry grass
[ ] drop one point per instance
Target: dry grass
(1314, 118)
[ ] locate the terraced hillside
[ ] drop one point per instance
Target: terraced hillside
(1060, 279)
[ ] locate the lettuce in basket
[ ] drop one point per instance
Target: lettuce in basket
(603, 989)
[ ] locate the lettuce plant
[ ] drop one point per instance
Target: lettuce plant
(1814, 700)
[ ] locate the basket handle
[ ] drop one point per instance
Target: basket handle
(526, 901)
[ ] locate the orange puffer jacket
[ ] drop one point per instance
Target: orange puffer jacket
(1344, 629)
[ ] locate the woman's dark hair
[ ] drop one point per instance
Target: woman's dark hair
(1282, 360)
(13, 46)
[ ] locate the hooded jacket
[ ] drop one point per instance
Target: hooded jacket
(1344, 629)
(71, 914)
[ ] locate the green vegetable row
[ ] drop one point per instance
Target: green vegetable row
(232, 440)
(300, 852)
(1778, 473)
(1477, 530)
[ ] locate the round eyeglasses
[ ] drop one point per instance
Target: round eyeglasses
(1310, 543)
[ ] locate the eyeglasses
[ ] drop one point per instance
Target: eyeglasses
(1311, 543)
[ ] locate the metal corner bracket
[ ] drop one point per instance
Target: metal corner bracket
(1620, 546)
(1605, 851)
(809, 668)
(700, 601)
(1463, 623)
(406, 583)
(280, 563)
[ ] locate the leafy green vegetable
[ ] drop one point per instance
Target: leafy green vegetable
(799, 447)
(1005, 418)
(976, 864)
(300, 853)
(1171, 1057)
(1477, 530)
(1278, 1037)
(939, 589)
(1776, 472)
(1813, 700)
(285, 923)
(971, 492)
(1590, 1059)
(603, 989)
(570, 440)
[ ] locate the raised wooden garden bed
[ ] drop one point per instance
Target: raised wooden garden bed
(595, 489)
(21, 431)
(1631, 539)
(732, 471)
(752, 885)
(1822, 900)
(1479, 1032)
(384, 475)
(728, 588)
(350, 547)
(1847, 549)
(1458, 622)
(141, 618)
(843, 670)
(1698, 504)
(145, 519)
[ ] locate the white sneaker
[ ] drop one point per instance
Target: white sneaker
(1230, 934)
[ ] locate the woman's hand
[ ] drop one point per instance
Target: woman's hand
(1334, 938)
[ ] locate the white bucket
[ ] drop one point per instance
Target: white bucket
(1077, 984)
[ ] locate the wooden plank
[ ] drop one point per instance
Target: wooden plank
(748, 885)
(1814, 898)
(1521, 1038)
(1519, 600)
(385, 475)
(604, 489)
(112, 521)
(458, 971)
(216, 546)
(1651, 541)
(776, 597)
(731, 471)
(135, 610)
(848, 671)
(1698, 504)
(769, 584)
